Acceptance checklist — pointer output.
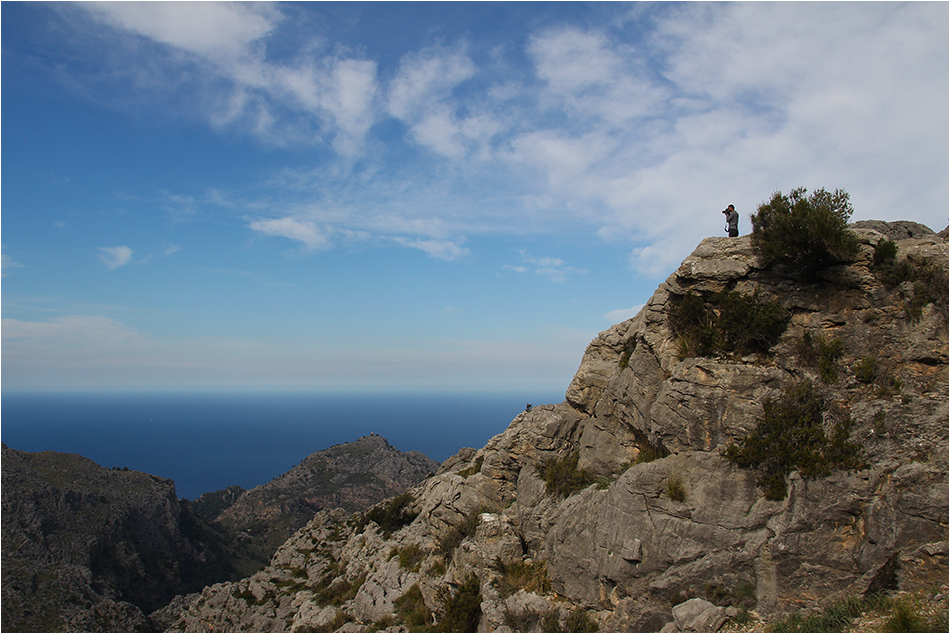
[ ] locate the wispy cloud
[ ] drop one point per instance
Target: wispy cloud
(308, 99)
(115, 257)
(439, 249)
(9, 265)
(302, 231)
(553, 269)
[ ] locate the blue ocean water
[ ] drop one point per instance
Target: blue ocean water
(209, 441)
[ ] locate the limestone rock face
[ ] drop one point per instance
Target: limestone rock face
(659, 517)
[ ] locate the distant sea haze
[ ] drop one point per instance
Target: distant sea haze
(209, 441)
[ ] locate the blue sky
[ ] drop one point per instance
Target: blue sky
(418, 196)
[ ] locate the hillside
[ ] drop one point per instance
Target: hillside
(351, 476)
(87, 548)
(750, 445)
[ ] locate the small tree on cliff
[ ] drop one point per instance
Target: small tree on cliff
(806, 232)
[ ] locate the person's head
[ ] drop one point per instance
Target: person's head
(728, 209)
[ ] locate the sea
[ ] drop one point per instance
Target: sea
(210, 441)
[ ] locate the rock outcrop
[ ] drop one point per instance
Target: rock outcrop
(617, 508)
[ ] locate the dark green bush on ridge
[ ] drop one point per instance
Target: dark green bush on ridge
(806, 232)
(790, 436)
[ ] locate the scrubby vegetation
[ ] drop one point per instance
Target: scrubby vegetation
(790, 436)
(530, 577)
(390, 515)
(563, 478)
(475, 467)
(411, 609)
(675, 489)
(410, 557)
(729, 322)
(929, 282)
(821, 353)
(805, 232)
(463, 609)
(903, 613)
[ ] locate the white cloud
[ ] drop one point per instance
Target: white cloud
(425, 78)
(422, 95)
(303, 231)
(439, 249)
(593, 76)
(115, 257)
(213, 29)
(308, 99)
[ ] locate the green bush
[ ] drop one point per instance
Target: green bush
(885, 252)
(579, 621)
(806, 232)
(865, 370)
(648, 453)
(930, 282)
(628, 347)
(410, 557)
(822, 354)
(563, 478)
(337, 590)
(463, 610)
(829, 351)
(411, 609)
(728, 322)
(790, 436)
(899, 614)
(390, 516)
(475, 467)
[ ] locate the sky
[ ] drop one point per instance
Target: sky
(419, 196)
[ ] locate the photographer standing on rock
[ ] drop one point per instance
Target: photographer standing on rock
(732, 221)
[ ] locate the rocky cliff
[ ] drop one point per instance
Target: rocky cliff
(651, 498)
